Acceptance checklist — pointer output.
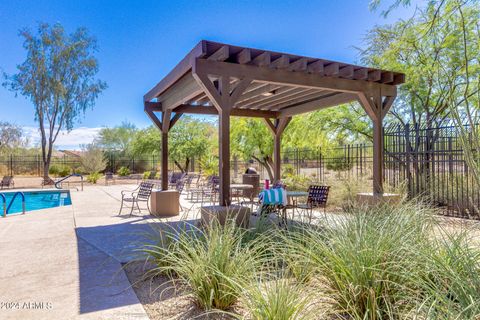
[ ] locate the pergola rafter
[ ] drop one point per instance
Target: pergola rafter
(227, 80)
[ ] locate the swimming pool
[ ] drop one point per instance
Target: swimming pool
(36, 200)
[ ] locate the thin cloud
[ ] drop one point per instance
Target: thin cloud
(65, 140)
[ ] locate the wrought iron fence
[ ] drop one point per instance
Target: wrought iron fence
(426, 162)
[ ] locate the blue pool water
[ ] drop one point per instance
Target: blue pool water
(36, 200)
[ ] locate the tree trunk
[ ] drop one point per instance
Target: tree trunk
(267, 165)
(179, 166)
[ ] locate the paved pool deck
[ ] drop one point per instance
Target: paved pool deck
(66, 262)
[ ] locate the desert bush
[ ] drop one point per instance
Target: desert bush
(146, 175)
(94, 177)
(59, 170)
(123, 171)
(92, 159)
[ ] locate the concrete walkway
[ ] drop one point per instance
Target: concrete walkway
(65, 263)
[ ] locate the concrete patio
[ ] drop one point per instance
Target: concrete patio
(66, 262)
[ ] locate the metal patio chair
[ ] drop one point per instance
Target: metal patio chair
(140, 194)
(317, 198)
(7, 182)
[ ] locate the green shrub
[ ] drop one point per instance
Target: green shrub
(59, 170)
(94, 177)
(209, 165)
(53, 170)
(212, 263)
(123, 171)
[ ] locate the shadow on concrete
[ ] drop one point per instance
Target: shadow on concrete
(102, 250)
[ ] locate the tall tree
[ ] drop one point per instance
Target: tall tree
(11, 136)
(58, 76)
(117, 138)
(429, 49)
(189, 138)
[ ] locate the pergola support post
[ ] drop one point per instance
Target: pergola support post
(164, 161)
(277, 129)
(377, 107)
(223, 97)
(164, 126)
(224, 156)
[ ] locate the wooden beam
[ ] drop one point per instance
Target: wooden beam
(315, 67)
(264, 88)
(399, 78)
(374, 75)
(149, 108)
(174, 120)
(368, 105)
(180, 69)
(277, 99)
(281, 63)
(183, 90)
(166, 120)
(387, 104)
(331, 70)
(298, 65)
(190, 109)
(280, 92)
(346, 72)
(279, 127)
(262, 59)
(360, 74)
(244, 56)
(328, 100)
(221, 54)
(270, 125)
(239, 89)
(153, 106)
(300, 79)
(305, 97)
(387, 77)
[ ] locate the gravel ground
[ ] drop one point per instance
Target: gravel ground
(160, 300)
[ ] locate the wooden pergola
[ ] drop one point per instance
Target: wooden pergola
(225, 80)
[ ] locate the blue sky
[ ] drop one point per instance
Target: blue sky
(140, 41)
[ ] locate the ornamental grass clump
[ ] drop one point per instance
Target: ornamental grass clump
(452, 281)
(370, 261)
(280, 298)
(211, 263)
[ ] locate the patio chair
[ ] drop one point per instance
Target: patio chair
(140, 194)
(7, 182)
(211, 189)
(179, 187)
(317, 198)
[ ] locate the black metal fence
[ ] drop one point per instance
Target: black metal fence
(426, 162)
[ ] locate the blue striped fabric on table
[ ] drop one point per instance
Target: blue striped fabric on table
(276, 196)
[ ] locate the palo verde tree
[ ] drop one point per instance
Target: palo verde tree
(438, 49)
(58, 76)
(118, 138)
